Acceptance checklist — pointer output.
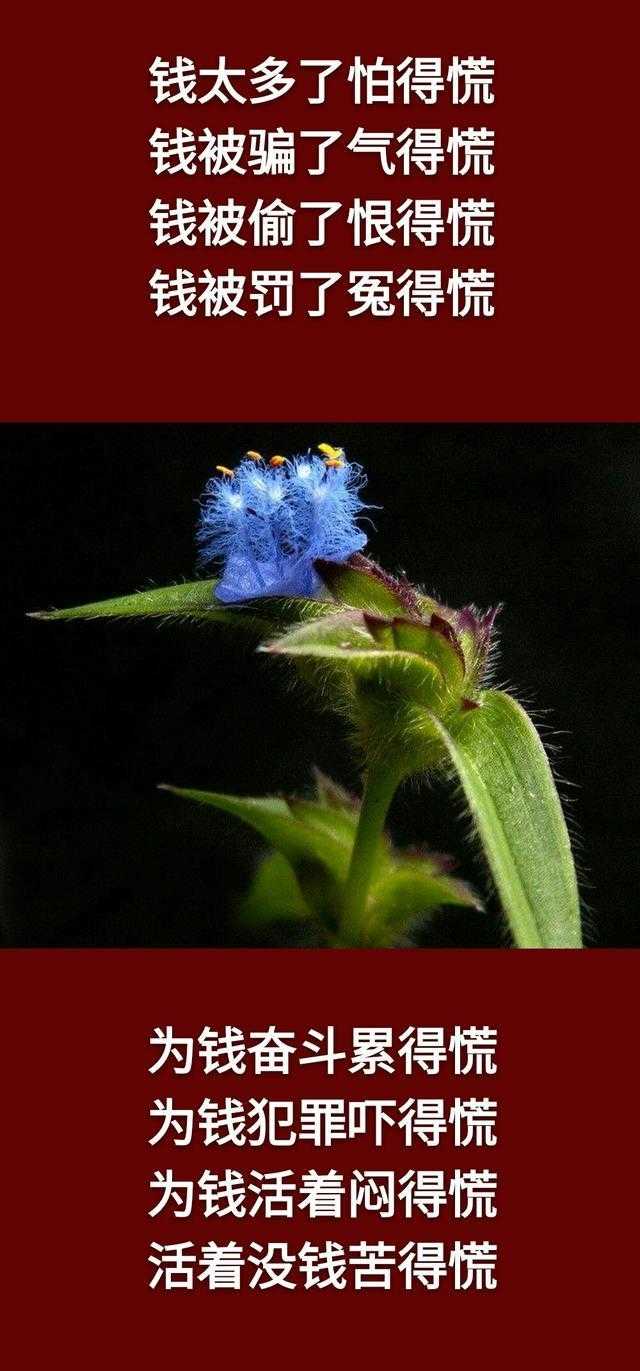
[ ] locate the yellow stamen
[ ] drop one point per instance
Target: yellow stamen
(255, 456)
(225, 471)
(277, 461)
(328, 451)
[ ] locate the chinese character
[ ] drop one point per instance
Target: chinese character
(473, 1194)
(371, 292)
(474, 1122)
(272, 290)
(271, 1051)
(421, 148)
(373, 82)
(474, 1048)
(272, 152)
(421, 219)
(173, 224)
(323, 1266)
(221, 1266)
(220, 225)
(316, 1040)
(471, 79)
(474, 1265)
(221, 295)
(274, 1192)
(420, 290)
(173, 81)
(269, 80)
(471, 151)
(422, 1047)
(179, 1122)
(372, 1263)
(367, 141)
(179, 1192)
(423, 1119)
(322, 1194)
(180, 1049)
(223, 88)
(373, 1191)
(424, 1263)
(221, 152)
(371, 1051)
(174, 294)
(173, 152)
(472, 223)
(422, 1191)
(222, 1196)
(371, 220)
(471, 292)
(272, 224)
(174, 1265)
(421, 76)
(273, 1266)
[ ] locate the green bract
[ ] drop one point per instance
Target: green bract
(304, 879)
(408, 675)
(391, 674)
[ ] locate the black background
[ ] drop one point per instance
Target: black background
(94, 715)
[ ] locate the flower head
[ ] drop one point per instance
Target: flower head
(269, 521)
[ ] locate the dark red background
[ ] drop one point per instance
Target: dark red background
(84, 343)
(75, 1027)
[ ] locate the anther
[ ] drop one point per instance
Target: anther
(225, 471)
(332, 462)
(255, 456)
(277, 461)
(331, 452)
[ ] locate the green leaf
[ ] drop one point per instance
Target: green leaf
(273, 818)
(507, 781)
(193, 600)
(339, 824)
(411, 887)
(306, 875)
(189, 600)
(345, 641)
(364, 587)
(318, 853)
(274, 895)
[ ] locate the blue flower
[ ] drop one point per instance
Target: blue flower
(269, 521)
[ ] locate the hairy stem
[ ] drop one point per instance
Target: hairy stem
(380, 786)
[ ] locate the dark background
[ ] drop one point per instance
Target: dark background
(94, 715)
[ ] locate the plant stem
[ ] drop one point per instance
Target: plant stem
(379, 789)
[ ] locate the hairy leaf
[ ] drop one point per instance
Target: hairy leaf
(279, 825)
(346, 641)
(189, 600)
(507, 781)
(361, 584)
(274, 895)
(314, 842)
(410, 887)
(195, 601)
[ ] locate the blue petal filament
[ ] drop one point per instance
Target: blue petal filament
(269, 523)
